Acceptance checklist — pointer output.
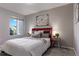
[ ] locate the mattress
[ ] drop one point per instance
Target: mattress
(26, 46)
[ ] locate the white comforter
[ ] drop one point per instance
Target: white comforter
(26, 46)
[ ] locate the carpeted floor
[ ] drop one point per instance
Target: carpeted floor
(59, 52)
(53, 52)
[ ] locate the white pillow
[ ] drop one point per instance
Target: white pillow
(36, 35)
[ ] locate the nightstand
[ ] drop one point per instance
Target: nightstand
(56, 42)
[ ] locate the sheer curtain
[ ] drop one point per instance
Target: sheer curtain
(20, 27)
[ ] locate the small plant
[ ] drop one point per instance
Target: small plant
(57, 35)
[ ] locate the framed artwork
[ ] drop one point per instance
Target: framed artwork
(42, 20)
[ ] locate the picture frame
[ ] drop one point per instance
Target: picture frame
(42, 20)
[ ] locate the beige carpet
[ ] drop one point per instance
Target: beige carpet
(53, 52)
(59, 52)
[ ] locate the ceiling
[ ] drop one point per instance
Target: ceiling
(29, 8)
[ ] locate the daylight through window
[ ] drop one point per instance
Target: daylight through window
(13, 26)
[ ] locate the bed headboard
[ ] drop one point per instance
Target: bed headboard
(44, 29)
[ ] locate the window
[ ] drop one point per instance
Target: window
(16, 26)
(13, 26)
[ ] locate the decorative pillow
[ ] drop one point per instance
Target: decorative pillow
(45, 31)
(36, 35)
(45, 35)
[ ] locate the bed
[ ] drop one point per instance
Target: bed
(27, 46)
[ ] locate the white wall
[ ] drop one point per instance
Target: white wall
(76, 29)
(76, 40)
(60, 18)
(4, 24)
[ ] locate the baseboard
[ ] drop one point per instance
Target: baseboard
(67, 47)
(75, 52)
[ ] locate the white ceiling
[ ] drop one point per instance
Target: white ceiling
(29, 8)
